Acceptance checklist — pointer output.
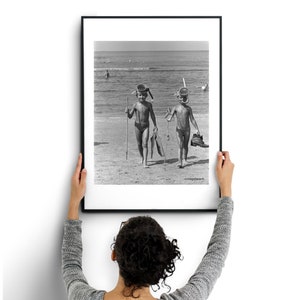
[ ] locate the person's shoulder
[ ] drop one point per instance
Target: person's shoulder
(149, 104)
(188, 108)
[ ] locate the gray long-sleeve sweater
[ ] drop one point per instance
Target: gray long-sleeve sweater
(199, 285)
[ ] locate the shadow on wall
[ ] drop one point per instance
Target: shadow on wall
(50, 284)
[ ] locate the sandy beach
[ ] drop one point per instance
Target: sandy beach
(163, 73)
(111, 166)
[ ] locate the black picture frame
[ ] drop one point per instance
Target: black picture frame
(101, 197)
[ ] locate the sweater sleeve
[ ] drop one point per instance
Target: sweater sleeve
(202, 281)
(76, 283)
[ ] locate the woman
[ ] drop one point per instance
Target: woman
(144, 255)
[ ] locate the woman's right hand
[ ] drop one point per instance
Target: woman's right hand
(78, 187)
(224, 171)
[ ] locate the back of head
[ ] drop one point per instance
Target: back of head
(144, 254)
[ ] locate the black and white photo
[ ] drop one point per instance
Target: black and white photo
(151, 111)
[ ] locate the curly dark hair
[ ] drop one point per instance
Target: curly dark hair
(144, 254)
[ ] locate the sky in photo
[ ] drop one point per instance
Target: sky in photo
(150, 45)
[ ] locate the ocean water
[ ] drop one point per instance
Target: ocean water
(161, 71)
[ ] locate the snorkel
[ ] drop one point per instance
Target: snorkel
(182, 95)
(142, 92)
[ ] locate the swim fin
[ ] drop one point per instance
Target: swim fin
(159, 145)
(197, 140)
(152, 142)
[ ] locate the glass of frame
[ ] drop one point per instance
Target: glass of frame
(151, 112)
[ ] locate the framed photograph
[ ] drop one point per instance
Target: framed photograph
(151, 112)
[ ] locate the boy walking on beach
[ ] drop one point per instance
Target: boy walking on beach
(184, 115)
(142, 109)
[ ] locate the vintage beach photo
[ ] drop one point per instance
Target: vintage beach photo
(151, 112)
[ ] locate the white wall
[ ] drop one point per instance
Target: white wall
(40, 125)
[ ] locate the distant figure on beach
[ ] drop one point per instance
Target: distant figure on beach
(142, 110)
(184, 115)
(106, 74)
